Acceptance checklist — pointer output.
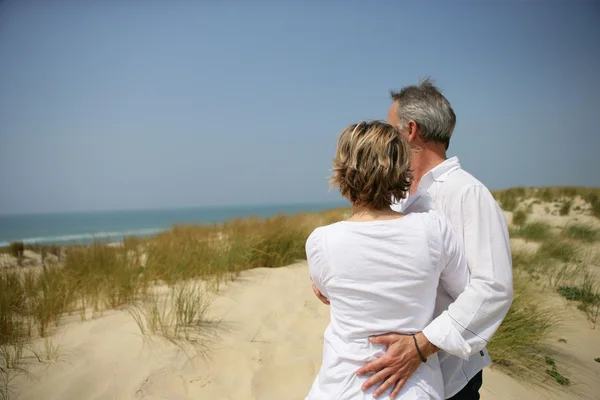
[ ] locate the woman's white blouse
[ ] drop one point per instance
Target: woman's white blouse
(381, 277)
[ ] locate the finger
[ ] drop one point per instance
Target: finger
(319, 294)
(373, 366)
(398, 387)
(316, 291)
(386, 385)
(383, 339)
(376, 378)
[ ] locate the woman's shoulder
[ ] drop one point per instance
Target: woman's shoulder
(323, 235)
(325, 230)
(316, 245)
(318, 234)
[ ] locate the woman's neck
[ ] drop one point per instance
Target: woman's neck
(361, 213)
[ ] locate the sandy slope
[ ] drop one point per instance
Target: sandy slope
(266, 346)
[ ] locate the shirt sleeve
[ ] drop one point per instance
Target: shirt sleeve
(454, 276)
(476, 314)
(314, 256)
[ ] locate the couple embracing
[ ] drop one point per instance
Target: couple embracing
(419, 278)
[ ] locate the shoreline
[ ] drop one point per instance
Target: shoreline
(137, 223)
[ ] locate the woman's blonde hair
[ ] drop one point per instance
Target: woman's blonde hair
(372, 165)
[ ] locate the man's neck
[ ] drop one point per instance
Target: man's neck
(425, 160)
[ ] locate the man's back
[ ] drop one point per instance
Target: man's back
(480, 225)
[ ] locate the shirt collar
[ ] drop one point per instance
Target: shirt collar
(437, 174)
(441, 172)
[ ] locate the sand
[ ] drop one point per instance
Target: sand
(265, 345)
(265, 342)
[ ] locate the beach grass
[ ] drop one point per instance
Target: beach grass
(509, 199)
(519, 218)
(559, 249)
(565, 208)
(157, 280)
(176, 315)
(534, 231)
(584, 233)
(16, 249)
(585, 292)
(518, 346)
(98, 277)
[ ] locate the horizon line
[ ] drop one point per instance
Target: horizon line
(171, 208)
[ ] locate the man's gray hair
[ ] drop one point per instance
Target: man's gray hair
(425, 104)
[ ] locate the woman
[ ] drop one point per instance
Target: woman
(379, 269)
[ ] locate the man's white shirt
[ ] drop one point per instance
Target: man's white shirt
(479, 223)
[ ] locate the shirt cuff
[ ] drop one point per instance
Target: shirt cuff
(442, 333)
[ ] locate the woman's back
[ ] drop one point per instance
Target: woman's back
(380, 276)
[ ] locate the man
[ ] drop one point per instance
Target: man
(426, 119)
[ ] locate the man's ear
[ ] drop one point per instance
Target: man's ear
(413, 131)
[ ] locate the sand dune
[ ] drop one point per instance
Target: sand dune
(266, 345)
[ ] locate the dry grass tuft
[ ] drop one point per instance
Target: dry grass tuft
(509, 199)
(518, 345)
(177, 316)
(559, 249)
(535, 231)
(99, 277)
(584, 233)
(519, 218)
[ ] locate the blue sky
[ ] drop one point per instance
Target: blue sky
(148, 104)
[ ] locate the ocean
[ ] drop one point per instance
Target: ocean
(113, 226)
